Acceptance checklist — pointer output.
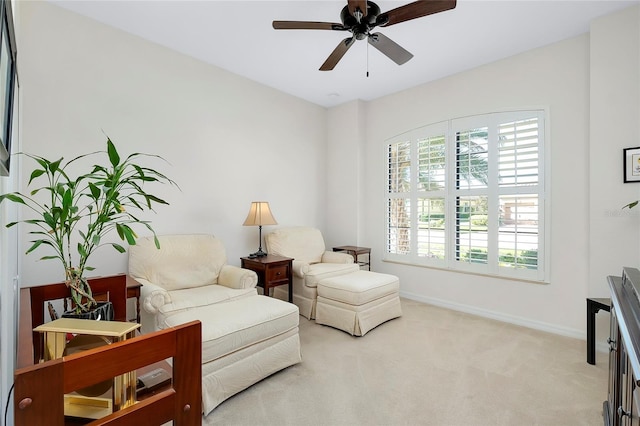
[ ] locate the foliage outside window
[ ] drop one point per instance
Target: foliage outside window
(468, 194)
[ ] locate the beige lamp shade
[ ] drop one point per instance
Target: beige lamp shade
(259, 214)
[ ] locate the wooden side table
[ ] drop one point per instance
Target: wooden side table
(355, 251)
(272, 271)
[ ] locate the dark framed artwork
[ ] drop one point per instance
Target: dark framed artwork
(631, 165)
(8, 84)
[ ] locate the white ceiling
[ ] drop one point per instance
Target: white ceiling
(237, 36)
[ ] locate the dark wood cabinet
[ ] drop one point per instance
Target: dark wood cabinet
(623, 397)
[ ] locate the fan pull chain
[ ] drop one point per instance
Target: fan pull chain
(367, 59)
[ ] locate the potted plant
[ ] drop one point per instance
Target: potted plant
(74, 213)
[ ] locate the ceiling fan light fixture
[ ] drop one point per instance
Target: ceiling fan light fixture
(359, 17)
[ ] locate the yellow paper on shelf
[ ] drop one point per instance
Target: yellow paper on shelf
(87, 407)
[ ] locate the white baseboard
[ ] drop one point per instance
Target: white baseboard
(511, 319)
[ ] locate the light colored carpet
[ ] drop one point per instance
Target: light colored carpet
(432, 366)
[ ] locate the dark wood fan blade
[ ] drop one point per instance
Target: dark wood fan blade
(414, 10)
(357, 4)
(390, 48)
(304, 25)
(337, 54)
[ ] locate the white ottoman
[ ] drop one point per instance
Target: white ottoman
(243, 341)
(358, 302)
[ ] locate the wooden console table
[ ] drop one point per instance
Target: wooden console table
(28, 320)
(40, 388)
(25, 349)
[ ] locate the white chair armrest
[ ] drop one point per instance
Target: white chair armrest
(152, 296)
(235, 277)
(336, 257)
(300, 268)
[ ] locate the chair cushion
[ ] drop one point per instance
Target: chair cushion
(183, 261)
(232, 326)
(191, 298)
(299, 242)
(359, 287)
(320, 271)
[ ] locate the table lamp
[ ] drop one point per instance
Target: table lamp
(259, 214)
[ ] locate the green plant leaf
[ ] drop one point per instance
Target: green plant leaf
(114, 158)
(49, 220)
(632, 205)
(35, 245)
(118, 247)
(35, 174)
(95, 191)
(53, 167)
(119, 231)
(67, 200)
(129, 235)
(135, 203)
(44, 163)
(154, 198)
(12, 197)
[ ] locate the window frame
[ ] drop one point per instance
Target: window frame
(494, 191)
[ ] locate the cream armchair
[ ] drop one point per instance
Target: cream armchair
(245, 336)
(188, 272)
(312, 263)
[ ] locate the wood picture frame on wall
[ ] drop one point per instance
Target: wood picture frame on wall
(631, 165)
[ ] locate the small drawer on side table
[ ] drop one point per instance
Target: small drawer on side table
(272, 271)
(277, 274)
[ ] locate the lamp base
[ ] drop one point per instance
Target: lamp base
(259, 253)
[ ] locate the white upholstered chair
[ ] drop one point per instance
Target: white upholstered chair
(245, 337)
(312, 263)
(189, 271)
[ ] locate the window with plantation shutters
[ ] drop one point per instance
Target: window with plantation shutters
(468, 194)
(398, 206)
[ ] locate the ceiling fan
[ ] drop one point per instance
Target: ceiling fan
(360, 17)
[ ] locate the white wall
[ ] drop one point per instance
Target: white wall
(555, 77)
(614, 125)
(615, 109)
(345, 174)
(229, 140)
(590, 86)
